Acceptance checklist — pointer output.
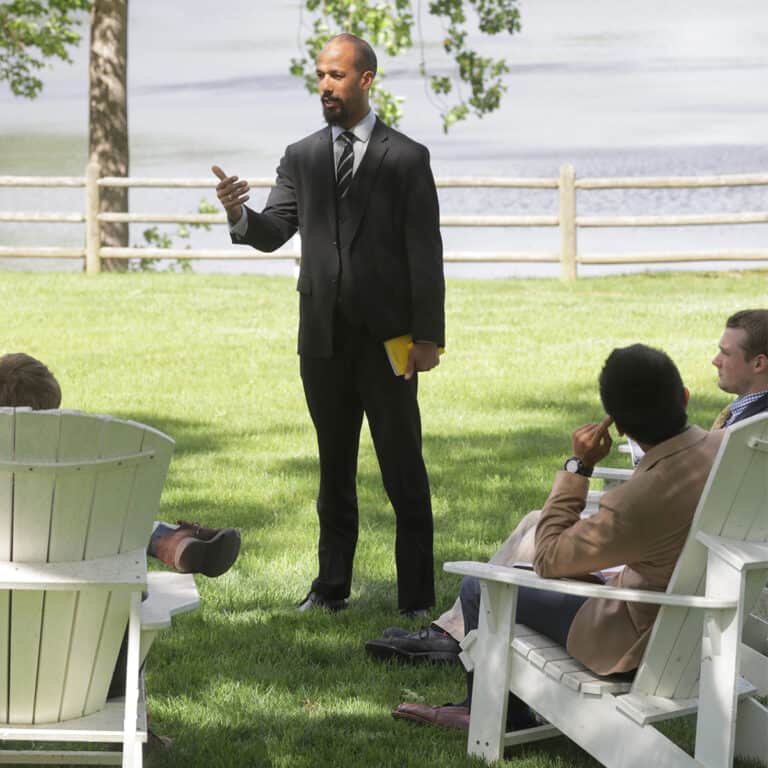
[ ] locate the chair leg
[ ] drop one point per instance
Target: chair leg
(132, 754)
(716, 721)
(491, 654)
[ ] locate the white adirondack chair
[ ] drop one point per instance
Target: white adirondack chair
(78, 496)
(695, 660)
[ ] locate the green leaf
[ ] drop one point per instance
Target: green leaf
(32, 32)
(388, 27)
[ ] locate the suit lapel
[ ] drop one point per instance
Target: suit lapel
(324, 173)
(356, 199)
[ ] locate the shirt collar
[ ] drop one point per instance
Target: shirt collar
(740, 404)
(362, 130)
(683, 440)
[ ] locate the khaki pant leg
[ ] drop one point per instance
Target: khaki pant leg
(518, 548)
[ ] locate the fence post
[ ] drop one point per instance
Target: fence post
(92, 229)
(567, 222)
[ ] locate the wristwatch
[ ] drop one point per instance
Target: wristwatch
(576, 466)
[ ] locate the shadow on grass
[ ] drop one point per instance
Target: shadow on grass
(191, 437)
(301, 686)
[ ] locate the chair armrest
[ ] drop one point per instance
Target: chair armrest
(126, 571)
(168, 594)
(501, 574)
(742, 555)
(613, 474)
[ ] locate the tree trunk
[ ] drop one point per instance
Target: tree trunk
(108, 116)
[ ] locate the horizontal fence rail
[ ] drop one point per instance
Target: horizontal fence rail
(567, 220)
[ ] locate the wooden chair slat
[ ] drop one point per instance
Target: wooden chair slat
(144, 501)
(112, 492)
(74, 492)
(55, 649)
(540, 657)
(7, 429)
(115, 622)
(36, 435)
(26, 622)
(556, 669)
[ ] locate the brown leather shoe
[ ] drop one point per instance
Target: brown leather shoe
(190, 548)
(454, 716)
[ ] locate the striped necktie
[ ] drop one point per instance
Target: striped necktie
(722, 417)
(345, 165)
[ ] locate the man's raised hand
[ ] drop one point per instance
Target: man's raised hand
(591, 442)
(232, 193)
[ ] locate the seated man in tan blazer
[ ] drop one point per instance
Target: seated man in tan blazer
(641, 525)
(742, 370)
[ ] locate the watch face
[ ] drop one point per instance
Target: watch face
(572, 465)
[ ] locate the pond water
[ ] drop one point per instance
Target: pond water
(656, 88)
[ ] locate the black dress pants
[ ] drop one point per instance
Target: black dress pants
(359, 380)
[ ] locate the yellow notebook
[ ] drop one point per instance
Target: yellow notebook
(397, 351)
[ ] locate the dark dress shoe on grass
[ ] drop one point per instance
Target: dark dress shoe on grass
(395, 632)
(313, 601)
(427, 644)
(455, 716)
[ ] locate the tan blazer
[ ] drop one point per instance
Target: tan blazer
(643, 524)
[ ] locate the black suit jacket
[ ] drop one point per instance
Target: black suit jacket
(391, 237)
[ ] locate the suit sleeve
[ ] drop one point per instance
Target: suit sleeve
(279, 220)
(424, 248)
(566, 545)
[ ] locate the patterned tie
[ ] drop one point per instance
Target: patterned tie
(345, 165)
(722, 417)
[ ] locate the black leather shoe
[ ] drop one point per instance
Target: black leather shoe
(399, 631)
(395, 632)
(313, 600)
(425, 645)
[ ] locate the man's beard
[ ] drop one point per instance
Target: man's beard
(335, 117)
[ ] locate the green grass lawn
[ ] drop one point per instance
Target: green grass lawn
(211, 360)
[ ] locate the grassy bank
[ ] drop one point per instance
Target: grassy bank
(245, 680)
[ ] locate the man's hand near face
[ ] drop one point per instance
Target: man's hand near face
(591, 442)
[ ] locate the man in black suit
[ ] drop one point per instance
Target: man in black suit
(363, 199)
